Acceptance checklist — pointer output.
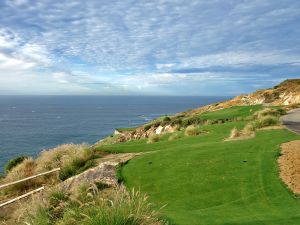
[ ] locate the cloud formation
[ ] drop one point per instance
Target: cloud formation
(147, 47)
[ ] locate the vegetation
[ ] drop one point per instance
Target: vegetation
(14, 162)
(70, 158)
(153, 138)
(234, 133)
(202, 179)
(89, 205)
(174, 136)
(126, 129)
(191, 131)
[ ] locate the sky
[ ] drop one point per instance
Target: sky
(142, 47)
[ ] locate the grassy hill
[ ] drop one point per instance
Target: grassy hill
(215, 165)
(206, 180)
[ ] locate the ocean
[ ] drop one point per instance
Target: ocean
(29, 124)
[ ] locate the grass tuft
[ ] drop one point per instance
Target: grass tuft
(174, 136)
(191, 131)
(153, 138)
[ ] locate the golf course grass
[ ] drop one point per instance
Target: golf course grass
(206, 180)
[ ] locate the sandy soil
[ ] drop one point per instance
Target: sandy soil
(289, 163)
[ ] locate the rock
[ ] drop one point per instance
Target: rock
(159, 130)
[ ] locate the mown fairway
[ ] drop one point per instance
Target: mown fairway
(205, 180)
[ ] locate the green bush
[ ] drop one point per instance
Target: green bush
(192, 121)
(147, 127)
(177, 121)
(166, 119)
(78, 165)
(14, 162)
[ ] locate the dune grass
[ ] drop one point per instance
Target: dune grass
(204, 180)
(88, 205)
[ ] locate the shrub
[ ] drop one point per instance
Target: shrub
(234, 133)
(174, 137)
(166, 119)
(191, 131)
(147, 127)
(14, 162)
(268, 121)
(153, 138)
(177, 121)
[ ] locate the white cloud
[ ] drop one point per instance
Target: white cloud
(146, 38)
(242, 59)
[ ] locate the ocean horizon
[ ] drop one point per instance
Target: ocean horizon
(30, 124)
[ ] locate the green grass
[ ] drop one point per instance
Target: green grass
(204, 180)
(232, 112)
(126, 129)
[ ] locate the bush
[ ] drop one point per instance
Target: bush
(14, 162)
(177, 121)
(191, 131)
(147, 127)
(268, 121)
(153, 138)
(166, 119)
(192, 121)
(173, 137)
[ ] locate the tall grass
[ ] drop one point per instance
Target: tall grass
(234, 133)
(71, 158)
(88, 206)
(191, 131)
(153, 138)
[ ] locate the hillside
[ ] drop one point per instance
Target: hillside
(216, 165)
(285, 94)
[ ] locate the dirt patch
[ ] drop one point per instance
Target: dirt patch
(289, 163)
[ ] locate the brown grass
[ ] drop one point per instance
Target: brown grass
(246, 133)
(234, 133)
(88, 205)
(191, 130)
(153, 138)
(60, 157)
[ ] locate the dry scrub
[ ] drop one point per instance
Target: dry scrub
(88, 205)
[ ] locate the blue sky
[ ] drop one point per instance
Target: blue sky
(158, 47)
